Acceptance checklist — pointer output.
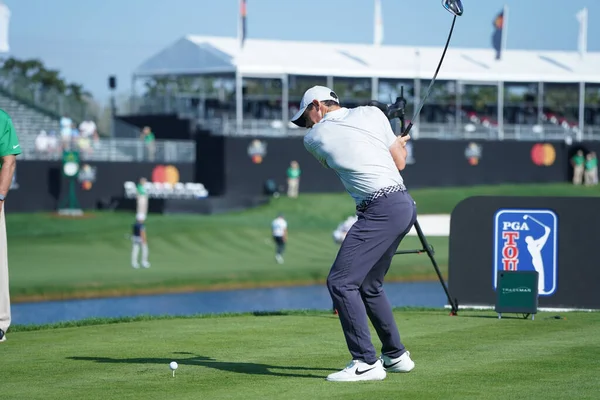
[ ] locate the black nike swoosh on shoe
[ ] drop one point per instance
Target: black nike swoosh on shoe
(391, 365)
(357, 372)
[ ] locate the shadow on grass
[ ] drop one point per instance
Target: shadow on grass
(504, 316)
(208, 362)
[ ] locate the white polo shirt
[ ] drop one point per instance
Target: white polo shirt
(355, 144)
(278, 227)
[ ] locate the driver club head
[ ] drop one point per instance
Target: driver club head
(453, 6)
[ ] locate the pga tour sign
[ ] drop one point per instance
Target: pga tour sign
(527, 240)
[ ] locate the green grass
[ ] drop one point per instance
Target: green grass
(52, 257)
(471, 356)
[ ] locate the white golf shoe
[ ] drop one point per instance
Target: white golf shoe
(359, 371)
(146, 264)
(401, 364)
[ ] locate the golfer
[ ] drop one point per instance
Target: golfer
(9, 149)
(279, 230)
(359, 145)
(139, 239)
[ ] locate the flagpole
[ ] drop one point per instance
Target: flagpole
(504, 29)
(378, 24)
(583, 28)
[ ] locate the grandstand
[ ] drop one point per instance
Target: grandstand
(30, 119)
(528, 95)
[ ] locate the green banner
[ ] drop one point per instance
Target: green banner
(70, 163)
(517, 292)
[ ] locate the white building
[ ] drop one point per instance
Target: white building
(540, 78)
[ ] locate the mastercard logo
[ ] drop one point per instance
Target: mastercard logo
(165, 174)
(543, 155)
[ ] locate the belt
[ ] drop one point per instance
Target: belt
(362, 206)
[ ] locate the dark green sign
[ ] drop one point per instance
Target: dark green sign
(69, 203)
(517, 292)
(70, 163)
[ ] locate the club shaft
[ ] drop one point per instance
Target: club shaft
(420, 107)
(530, 217)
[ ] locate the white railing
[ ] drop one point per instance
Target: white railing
(465, 131)
(111, 149)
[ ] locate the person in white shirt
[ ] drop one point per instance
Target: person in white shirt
(41, 143)
(342, 229)
(66, 131)
(359, 145)
(279, 230)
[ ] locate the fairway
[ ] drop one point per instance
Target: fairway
(470, 356)
(53, 258)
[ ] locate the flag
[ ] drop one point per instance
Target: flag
(582, 17)
(4, 22)
(498, 34)
(243, 23)
(378, 27)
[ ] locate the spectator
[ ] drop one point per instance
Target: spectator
(41, 144)
(53, 145)
(89, 133)
(342, 229)
(148, 137)
(142, 198)
(280, 232)
(591, 169)
(293, 175)
(578, 162)
(66, 131)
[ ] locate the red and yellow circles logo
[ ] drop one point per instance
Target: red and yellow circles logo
(165, 174)
(543, 155)
(473, 153)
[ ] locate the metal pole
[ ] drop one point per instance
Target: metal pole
(458, 105)
(375, 88)
(239, 101)
(285, 101)
(581, 111)
(415, 134)
(540, 102)
(501, 110)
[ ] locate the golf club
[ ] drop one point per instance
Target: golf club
(535, 220)
(455, 7)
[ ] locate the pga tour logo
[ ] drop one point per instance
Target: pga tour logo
(527, 240)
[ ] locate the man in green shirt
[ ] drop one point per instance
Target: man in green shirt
(9, 149)
(578, 162)
(142, 197)
(293, 176)
(591, 169)
(148, 137)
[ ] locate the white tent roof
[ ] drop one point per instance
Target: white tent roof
(263, 58)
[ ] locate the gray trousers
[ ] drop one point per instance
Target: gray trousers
(355, 281)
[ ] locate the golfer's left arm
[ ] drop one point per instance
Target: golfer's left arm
(7, 171)
(396, 144)
(398, 151)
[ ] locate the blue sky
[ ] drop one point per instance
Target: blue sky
(90, 40)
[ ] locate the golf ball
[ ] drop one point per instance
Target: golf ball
(173, 365)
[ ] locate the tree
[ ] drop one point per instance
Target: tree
(31, 81)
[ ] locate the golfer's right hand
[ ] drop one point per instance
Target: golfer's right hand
(404, 139)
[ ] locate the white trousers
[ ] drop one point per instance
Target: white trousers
(135, 251)
(4, 293)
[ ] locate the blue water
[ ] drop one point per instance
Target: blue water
(419, 294)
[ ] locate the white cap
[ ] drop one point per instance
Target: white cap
(140, 216)
(320, 93)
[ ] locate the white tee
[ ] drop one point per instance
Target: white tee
(278, 226)
(355, 144)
